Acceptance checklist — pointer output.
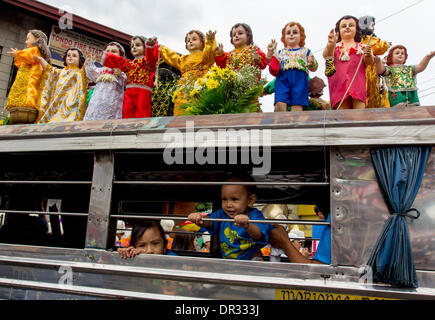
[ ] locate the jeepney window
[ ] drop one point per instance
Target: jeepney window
(47, 205)
(172, 192)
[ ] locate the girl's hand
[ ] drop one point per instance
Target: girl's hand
(13, 52)
(126, 253)
(241, 220)
(431, 54)
(220, 50)
(211, 35)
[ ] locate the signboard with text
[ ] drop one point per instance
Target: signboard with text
(63, 39)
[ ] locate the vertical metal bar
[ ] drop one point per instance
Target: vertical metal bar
(97, 233)
(333, 158)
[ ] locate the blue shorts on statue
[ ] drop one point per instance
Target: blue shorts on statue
(291, 87)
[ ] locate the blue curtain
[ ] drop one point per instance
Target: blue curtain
(400, 172)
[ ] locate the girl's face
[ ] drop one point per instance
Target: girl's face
(240, 37)
(113, 49)
(292, 37)
(73, 58)
(30, 40)
(194, 42)
(399, 56)
(137, 48)
(151, 242)
(348, 29)
(236, 200)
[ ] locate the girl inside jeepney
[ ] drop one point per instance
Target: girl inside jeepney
(146, 237)
(291, 67)
(25, 90)
(108, 94)
(194, 65)
(347, 86)
(64, 91)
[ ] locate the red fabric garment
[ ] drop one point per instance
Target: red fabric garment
(137, 103)
(139, 71)
(341, 80)
(274, 67)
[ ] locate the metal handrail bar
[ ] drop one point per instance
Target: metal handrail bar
(46, 213)
(43, 182)
(214, 183)
(266, 221)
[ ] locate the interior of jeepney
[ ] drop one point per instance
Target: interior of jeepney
(47, 203)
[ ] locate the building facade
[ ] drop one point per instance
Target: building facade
(17, 17)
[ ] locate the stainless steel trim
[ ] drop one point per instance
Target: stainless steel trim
(267, 221)
(214, 183)
(56, 213)
(90, 291)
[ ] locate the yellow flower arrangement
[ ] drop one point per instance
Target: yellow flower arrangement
(223, 91)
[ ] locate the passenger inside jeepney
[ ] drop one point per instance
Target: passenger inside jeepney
(146, 237)
(238, 239)
(280, 239)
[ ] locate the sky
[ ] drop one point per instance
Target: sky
(405, 22)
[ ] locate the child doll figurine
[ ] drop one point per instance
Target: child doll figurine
(25, 91)
(140, 75)
(401, 79)
(374, 97)
(195, 65)
(245, 52)
(64, 91)
(347, 86)
(291, 67)
(108, 95)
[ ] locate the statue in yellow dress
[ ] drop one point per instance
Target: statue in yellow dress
(377, 93)
(63, 91)
(194, 65)
(25, 90)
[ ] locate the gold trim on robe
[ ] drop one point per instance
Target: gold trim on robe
(374, 98)
(63, 95)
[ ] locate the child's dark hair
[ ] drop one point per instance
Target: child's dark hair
(183, 241)
(243, 177)
(358, 34)
(323, 209)
(248, 31)
(140, 228)
(82, 58)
